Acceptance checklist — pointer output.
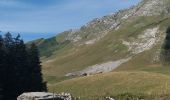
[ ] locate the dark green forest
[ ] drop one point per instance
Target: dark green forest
(20, 69)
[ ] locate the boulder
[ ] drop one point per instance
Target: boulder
(44, 96)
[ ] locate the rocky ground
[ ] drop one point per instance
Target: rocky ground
(99, 68)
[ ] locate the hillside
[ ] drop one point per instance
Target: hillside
(120, 85)
(129, 40)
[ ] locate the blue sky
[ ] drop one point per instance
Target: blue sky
(45, 18)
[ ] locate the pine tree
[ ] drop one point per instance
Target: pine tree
(2, 53)
(36, 83)
(9, 69)
(165, 53)
(20, 69)
(20, 65)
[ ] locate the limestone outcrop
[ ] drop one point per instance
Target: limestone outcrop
(44, 96)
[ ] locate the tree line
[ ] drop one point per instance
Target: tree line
(20, 69)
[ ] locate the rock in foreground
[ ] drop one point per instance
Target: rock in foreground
(44, 96)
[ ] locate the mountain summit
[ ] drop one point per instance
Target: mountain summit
(152, 7)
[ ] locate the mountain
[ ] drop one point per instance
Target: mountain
(118, 46)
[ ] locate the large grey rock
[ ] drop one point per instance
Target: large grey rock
(44, 96)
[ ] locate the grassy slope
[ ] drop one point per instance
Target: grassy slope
(140, 76)
(72, 58)
(116, 83)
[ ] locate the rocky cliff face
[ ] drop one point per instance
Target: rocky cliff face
(153, 7)
(99, 27)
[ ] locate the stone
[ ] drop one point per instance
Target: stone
(109, 98)
(44, 96)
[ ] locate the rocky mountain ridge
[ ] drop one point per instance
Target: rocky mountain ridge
(99, 27)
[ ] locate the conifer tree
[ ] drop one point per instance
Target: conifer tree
(20, 65)
(20, 69)
(165, 53)
(2, 54)
(9, 69)
(35, 70)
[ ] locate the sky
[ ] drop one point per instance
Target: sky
(45, 18)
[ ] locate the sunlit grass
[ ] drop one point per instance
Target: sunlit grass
(114, 84)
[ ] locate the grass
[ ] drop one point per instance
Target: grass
(115, 84)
